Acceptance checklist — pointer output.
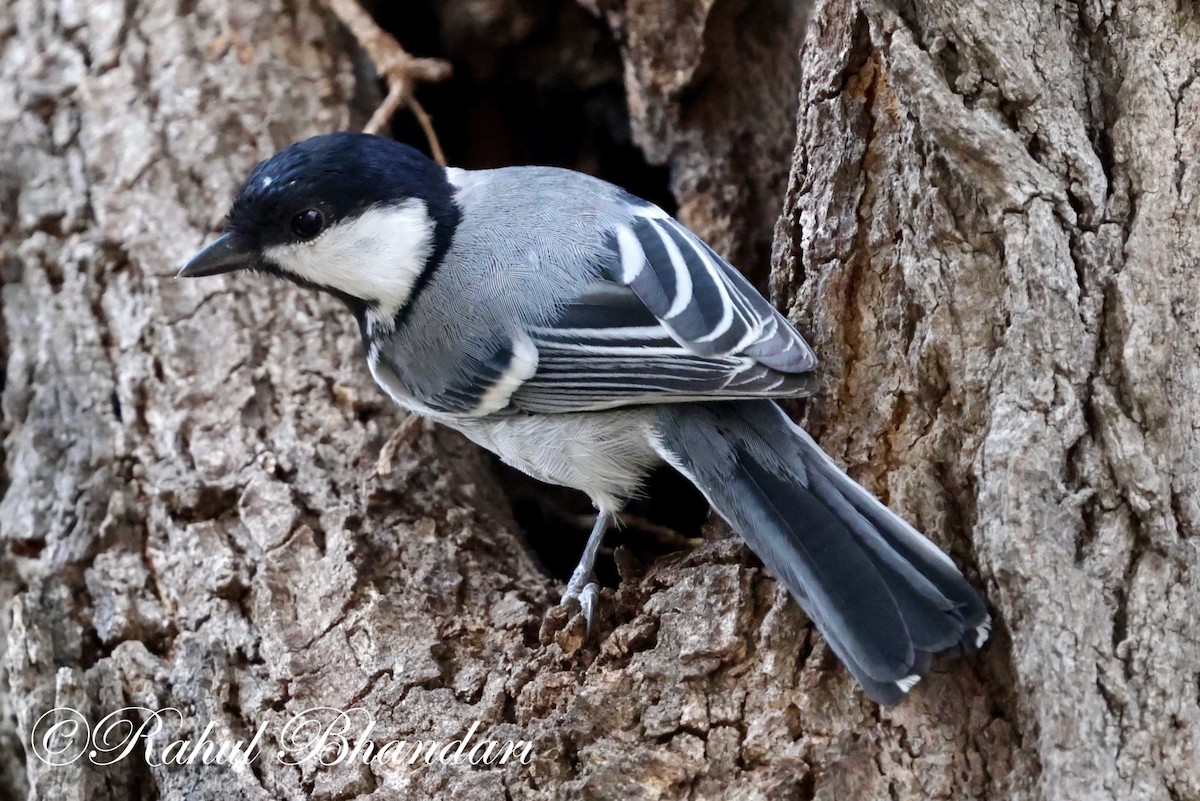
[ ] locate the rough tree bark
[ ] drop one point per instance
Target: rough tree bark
(989, 230)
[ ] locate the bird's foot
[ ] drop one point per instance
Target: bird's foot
(570, 623)
(584, 591)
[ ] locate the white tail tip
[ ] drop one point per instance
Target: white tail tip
(982, 631)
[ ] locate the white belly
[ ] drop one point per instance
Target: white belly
(605, 454)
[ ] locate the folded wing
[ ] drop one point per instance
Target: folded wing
(668, 321)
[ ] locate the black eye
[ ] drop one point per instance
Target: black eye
(308, 223)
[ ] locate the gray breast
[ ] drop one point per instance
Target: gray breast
(605, 454)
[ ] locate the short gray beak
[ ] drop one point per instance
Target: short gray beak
(230, 252)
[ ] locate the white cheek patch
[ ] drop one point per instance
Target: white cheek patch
(376, 256)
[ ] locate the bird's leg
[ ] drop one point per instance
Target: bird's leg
(583, 587)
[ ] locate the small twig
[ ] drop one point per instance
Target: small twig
(664, 534)
(401, 70)
(397, 90)
(426, 122)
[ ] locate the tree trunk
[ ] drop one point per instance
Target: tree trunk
(988, 230)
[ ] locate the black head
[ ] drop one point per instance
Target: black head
(312, 185)
(321, 185)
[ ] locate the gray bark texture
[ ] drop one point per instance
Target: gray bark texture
(985, 216)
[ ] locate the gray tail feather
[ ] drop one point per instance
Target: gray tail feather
(885, 598)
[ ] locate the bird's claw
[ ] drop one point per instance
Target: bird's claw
(561, 624)
(587, 596)
(581, 589)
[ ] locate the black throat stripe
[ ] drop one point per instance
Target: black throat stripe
(446, 219)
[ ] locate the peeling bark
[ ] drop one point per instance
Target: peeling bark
(988, 230)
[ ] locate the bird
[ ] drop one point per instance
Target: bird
(587, 338)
